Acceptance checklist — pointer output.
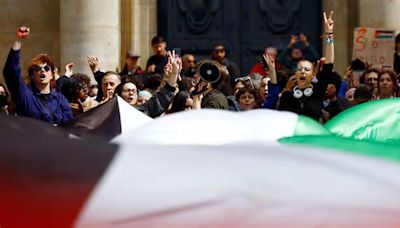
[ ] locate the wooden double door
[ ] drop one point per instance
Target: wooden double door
(245, 27)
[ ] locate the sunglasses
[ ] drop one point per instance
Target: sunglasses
(246, 80)
(39, 68)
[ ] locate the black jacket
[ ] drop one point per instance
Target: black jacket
(309, 106)
(159, 102)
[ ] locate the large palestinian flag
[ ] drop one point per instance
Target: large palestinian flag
(249, 183)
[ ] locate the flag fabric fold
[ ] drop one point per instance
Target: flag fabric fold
(375, 120)
(107, 121)
(216, 127)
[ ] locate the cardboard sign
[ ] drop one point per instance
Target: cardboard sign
(374, 46)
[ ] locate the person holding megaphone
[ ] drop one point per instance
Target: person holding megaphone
(209, 75)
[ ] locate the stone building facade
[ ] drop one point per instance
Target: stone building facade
(68, 30)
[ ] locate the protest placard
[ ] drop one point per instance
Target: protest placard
(374, 46)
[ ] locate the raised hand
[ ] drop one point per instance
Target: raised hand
(151, 69)
(328, 22)
(271, 68)
(93, 63)
(291, 83)
(56, 75)
(68, 69)
(173, 68)
(329, 47)
(23, 32)
(304, 39)
(270, 61)
(293, 40)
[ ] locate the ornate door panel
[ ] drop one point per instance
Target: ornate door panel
(246, 27)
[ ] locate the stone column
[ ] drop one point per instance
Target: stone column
(380, 14)
(44, 24)
(90, 27)
(143, 28)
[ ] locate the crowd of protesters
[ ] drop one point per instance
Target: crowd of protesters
(296, 80)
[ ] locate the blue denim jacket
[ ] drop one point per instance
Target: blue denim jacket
(30, 102)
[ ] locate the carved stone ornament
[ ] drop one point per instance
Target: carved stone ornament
(280, 14)
(199, 13)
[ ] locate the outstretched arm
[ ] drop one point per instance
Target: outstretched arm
(93, 62)
(273, 87)
(160, 101)
(12, 69)
(22, 33)
(328, 40)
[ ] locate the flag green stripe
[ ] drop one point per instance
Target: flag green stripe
(388, 151)
(308, 126)
(377, 120)
(385, 37)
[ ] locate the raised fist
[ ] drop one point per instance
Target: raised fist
(23, 32)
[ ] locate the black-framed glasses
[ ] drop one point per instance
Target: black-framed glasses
(39, 68)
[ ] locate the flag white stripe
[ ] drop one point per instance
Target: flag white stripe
(152, 178)
(131, 118)
(214, 127)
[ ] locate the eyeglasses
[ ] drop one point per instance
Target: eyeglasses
(39, 68)
(308, 69)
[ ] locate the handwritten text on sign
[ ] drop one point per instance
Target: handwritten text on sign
(374, 46)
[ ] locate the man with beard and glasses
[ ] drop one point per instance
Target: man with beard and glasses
(38, 101)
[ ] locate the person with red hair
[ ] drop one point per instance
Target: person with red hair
(37, 100)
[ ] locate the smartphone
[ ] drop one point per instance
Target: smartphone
(177, 51)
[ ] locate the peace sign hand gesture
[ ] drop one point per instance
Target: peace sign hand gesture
(269, 61)
(271, 67)
(172, 69)
(328, 21)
